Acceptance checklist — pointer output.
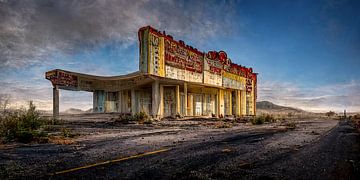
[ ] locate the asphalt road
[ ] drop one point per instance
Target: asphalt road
(336, 155)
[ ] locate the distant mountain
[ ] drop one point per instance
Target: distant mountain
(266, 107)
(74, 111)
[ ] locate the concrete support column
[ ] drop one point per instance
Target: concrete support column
(177, 96)
(238, 103)
(203, 105)
(155, 99)
(161, 104)
(185, 99)
(133, 102)
(56, 102)
(254, 98)
(95, 101)
(243, 103)
(119, 101)
(106, 108)
(221, 108)
(230, 102)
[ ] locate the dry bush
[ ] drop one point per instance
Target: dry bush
(24, 126)
(356, 120)
(61, 140)
(290, 125)
(141, 118)
(222, 124)
(262, 119)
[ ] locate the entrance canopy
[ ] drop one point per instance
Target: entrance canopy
(83, 82)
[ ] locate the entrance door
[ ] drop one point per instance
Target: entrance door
(145, 101)
(169, 101)
(198, 104)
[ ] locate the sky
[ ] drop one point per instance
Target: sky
(307, 52)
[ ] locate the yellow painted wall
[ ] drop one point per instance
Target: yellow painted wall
(156, 55)
(243, 102)
(221, 102)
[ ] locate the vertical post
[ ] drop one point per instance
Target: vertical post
(238, 103)
(161, 101)
(203, 107)
(185, 99)
(119, 101)
(177, 94)
(243, 103)
(133, 102)
(230, 102)
(105, 102)
(221, 103)
(95, 101)
(56, 102)
(155, 99)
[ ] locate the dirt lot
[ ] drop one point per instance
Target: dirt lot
(316, 149)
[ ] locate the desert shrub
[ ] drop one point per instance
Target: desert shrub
(258, 120)
(23, 125)
(262, 119)
(54, 121)
(141, 116)
(124, 118)
(67, 133)
(269, 118)
(291, 125)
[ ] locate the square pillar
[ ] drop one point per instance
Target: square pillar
(243, 102)
(203, 105)
(119, 101)
(155, 99)
(133, 102)
(185, 99)
(177, 96)
(161, 104)
(238, 105)
(95, 100)
(221, 108)
(56, 102)
(230, 102)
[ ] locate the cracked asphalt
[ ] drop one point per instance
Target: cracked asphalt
(316, 149)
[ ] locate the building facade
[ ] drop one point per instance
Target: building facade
(173, 79)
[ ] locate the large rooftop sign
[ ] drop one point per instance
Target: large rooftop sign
(163, 56)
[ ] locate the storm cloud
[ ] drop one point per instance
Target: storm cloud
(32, 30)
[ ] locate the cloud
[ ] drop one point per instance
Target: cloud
(336, 97)
(32, 30)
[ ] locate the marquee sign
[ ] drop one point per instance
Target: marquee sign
(62, 78)
(163, 56)
(156, 55)
(179, 56)
(182, 62)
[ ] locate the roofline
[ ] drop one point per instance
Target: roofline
(125, 76)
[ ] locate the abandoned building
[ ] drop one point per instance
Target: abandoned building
(173, 79)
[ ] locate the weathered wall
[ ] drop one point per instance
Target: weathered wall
(99, 101)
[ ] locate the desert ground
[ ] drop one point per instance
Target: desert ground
(101, 148)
